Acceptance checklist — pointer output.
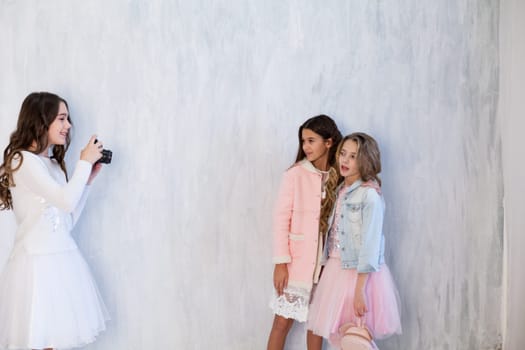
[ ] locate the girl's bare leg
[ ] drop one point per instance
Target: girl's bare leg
(280, 328)
(313, 341)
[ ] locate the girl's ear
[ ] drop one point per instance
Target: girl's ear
(328, 142)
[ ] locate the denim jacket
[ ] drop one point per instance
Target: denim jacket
(360, 229)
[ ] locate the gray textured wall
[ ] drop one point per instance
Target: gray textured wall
(511, 112)
(201, 100)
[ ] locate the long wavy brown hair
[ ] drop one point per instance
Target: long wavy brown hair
(368, 156)
(324, 126)
(38, 111)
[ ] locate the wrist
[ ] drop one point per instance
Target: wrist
(86, 160)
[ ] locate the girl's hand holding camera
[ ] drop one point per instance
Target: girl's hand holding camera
(92, 153)
(93, 150)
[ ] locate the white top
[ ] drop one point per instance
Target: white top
(46, 206)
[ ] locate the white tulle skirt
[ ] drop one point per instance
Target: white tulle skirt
(49, 301)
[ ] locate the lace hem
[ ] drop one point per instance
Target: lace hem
(293, 303)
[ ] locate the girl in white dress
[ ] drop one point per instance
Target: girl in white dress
(48, 298)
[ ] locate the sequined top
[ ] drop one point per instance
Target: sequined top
(333, 235)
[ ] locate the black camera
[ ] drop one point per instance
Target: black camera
(106, 156)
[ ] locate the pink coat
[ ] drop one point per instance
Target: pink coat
(296, 224)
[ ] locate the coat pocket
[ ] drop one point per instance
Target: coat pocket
(296, 241)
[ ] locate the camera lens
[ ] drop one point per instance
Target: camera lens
(106, 157)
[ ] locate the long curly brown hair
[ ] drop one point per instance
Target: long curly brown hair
(324, 126)
(328, 202)
(38, 111)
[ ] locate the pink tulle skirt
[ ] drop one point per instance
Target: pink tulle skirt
(333, 302)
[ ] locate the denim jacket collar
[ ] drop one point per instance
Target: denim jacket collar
(351, 188)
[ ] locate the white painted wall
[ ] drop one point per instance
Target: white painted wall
(200, 102)
(511, 112)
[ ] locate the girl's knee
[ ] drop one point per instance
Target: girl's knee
(282, 324)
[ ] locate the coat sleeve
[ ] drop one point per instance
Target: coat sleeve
(34, 175)
(371, 232)
(282, 220)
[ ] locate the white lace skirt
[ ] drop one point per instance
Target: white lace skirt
(49, 301)
(293, 303)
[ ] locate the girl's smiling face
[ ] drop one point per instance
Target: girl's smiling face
(347, 159)
(59, 128)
